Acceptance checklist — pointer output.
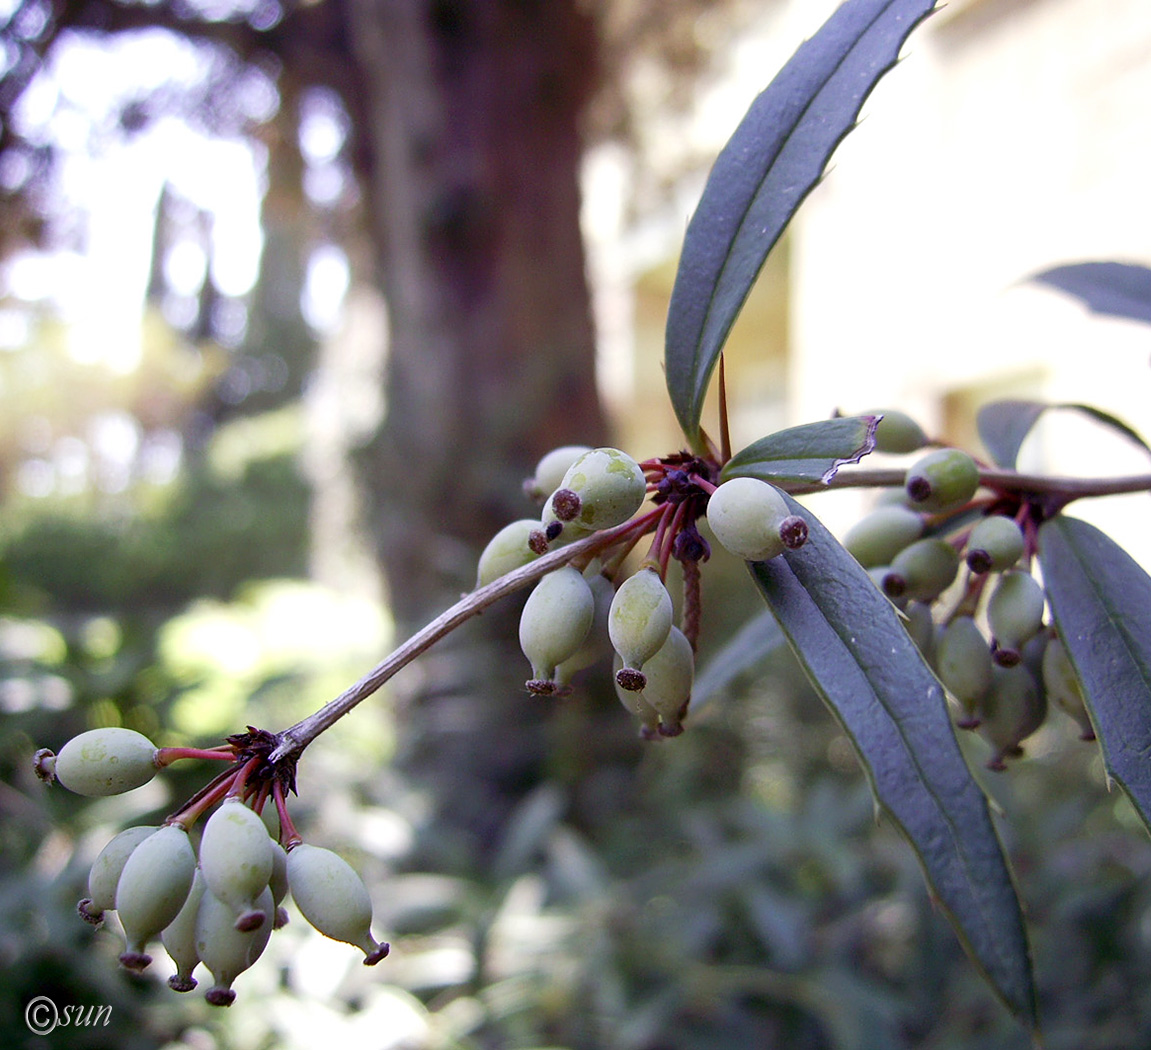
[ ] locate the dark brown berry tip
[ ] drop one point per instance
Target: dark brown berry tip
(918, 489)
(540, 686)
(137, 962)
(181, 984)
(1006, 657)
(250, 920)
(93, 916)
(793, 532)
(979, 561)
(538, 541)
(894, 585)
(566, 504)
(44, 765)
(380, 953)
(630, 679)
(220, 996)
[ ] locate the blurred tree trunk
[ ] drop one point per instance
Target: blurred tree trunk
(472, 112)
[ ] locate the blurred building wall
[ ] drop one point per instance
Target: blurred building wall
(1012, 137)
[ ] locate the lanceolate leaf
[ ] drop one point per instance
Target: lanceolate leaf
(777, 154)
(812, 452)
(1118, 289)
(862, 661)
(1003, 426)
(1101, 601)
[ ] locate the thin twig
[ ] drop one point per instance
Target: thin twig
(296, 738)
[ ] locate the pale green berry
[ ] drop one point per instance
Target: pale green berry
(179, 938)
(1013, 708)
(152, 888)
(609, 486)
(596, 644)
(922, 571)
(236, 857)
(639, 622)
(877, 538)
(105, 873)
(1062, 684)
(897, 432)
(941, 480)
(507, 550)
(963, 663)
(921, 626)
(745, 515)
(635, 702)
(226, 951)
(554, 622)
(995, 544)
(106, 762)
(333, 898)
(550, 470)
(670, 673)
(1014, 614)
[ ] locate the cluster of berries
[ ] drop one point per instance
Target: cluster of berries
(990, 647)
(581, 612)
(217, 902)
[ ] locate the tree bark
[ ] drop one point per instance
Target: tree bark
(472, 111)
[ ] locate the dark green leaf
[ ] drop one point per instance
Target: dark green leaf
(1101, 601)
(812, 452)
(1003, 426)
(1118, 289)
(772, 161)
(862, 661)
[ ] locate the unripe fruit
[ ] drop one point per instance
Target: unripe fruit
(1014, 614)
(877, 538)
(639, 622)
(507, 550)
(1012, 710)
(745, 515)
(995, 544)
(670, 673)
(106, 762)
(152, 889)
(635, 702)
(609, 485)
(179, 938)
(554, 622)
(921, 626)
(226, 951)
(922, 571)
(897, 432)
(333, 898)
(105, 873)
(551, 469)
(942, 479)
(1063, 686)
(963, 663)
(595, 644)
(236, 858)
